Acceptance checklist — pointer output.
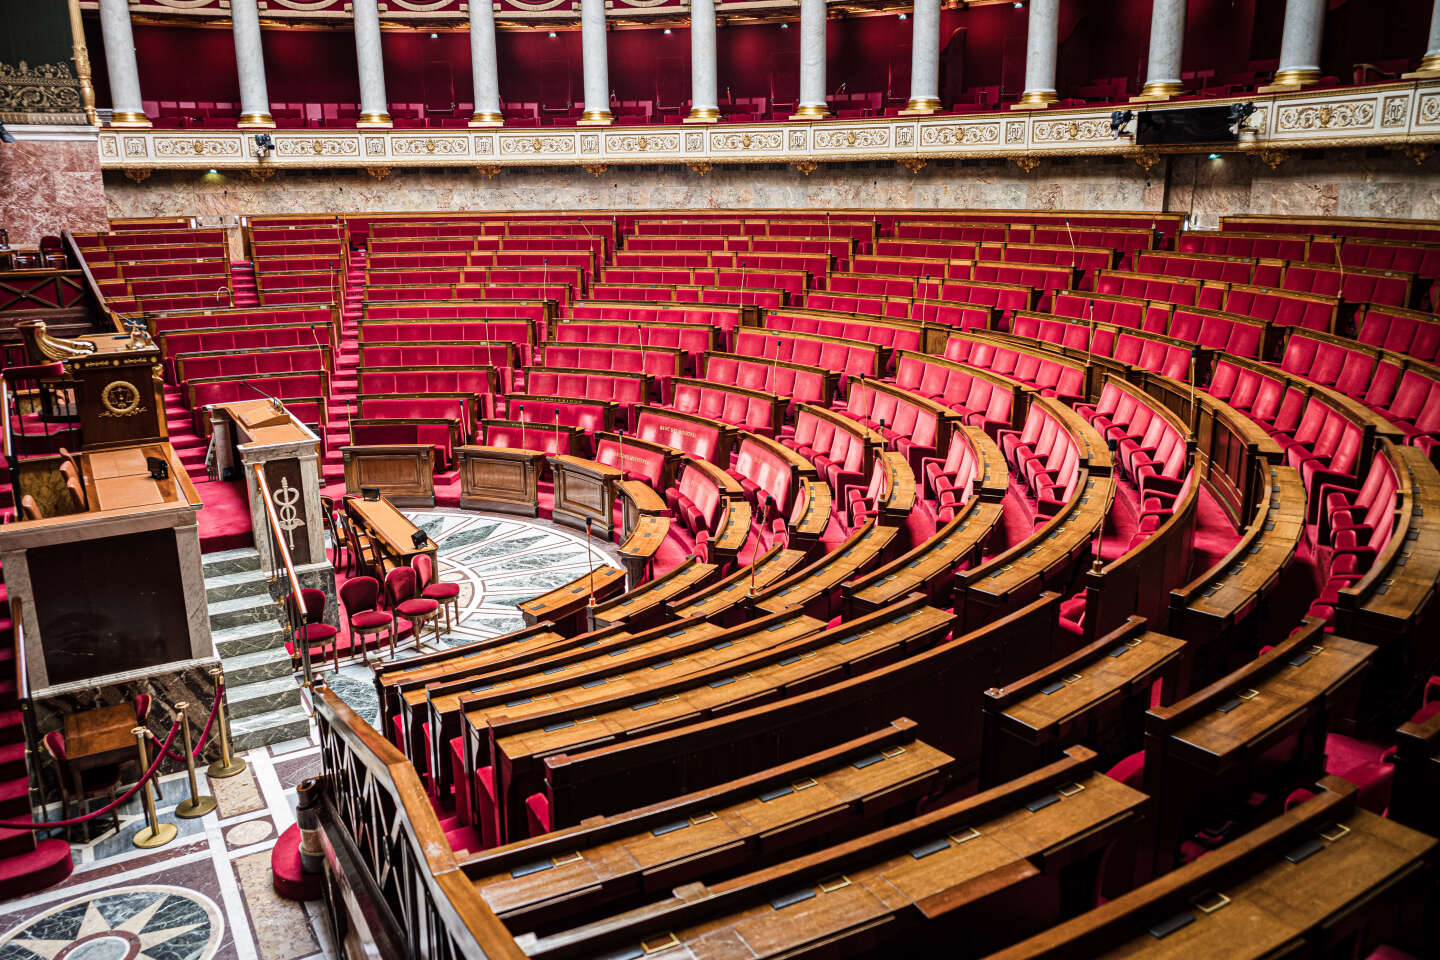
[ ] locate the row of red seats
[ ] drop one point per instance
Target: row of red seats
(1051, 377)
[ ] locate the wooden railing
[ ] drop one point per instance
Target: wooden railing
(395, 888)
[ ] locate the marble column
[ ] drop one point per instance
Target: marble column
(1041, 37)
(121, 66)
(924, 58)
(596, 64)
(1430, 66)
(250, 65)
(1299, 45)
(812, 104)
(374, 106)
(484, 66)
(1167, 43)
(704, 80)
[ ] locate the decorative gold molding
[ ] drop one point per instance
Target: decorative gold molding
(913, 164)
(1385, 115)
(261, 174)
(1418, 152)
(811, 111)
(379, 173)
(40, 93)
(703, 115)
(483, 118)
(487, 170)
(1145, 158)
(700, 169)
(807, 167)
(137, 174)
(1027, 163)
(595, 169)
(1035, 100)
(1273, 158)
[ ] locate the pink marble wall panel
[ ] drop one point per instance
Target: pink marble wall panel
(49, 185)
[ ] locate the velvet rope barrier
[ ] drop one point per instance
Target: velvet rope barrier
(47, 824)
(204, 734)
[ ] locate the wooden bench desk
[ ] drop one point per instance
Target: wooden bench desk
(812, 513)
(499, 479)
(1207, 754)
(567, 602)
(814, 587)
(648, 601)
(930, 566)
(730, 599)
(1097, 695)
(518, 743)
(584, 491)
(1041, 562)
(393, 677)
(957, 881)
(1210, 611)
(643, 852)
(1324, 879)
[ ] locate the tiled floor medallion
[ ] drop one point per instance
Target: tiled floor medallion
(129, 923)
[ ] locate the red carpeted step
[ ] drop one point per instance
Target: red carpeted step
(12, 760)
(42, 867)
(289, 880)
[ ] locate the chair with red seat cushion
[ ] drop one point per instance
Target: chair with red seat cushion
(94, 782)
(308, 627)
(360, 596)
(445, 594)
(402, 595)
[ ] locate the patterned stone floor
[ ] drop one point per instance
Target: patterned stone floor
(208, 893)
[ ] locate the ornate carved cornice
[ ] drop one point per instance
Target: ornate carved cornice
(1400, 115)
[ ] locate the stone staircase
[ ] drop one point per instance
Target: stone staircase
(247, 627)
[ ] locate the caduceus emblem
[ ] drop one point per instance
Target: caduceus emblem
(285, 497)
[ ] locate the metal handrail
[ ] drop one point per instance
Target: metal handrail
(280, 552)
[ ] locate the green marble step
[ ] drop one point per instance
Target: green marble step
(272, 726)
(262, 696)
(230, 586)
(246, 638)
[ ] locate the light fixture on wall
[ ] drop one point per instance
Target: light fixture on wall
(784, 26)
(434, 36)
(552, 34)
(666, 31)
(899, 16)
(1214, 156)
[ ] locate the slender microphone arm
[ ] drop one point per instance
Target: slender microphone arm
(274, 401)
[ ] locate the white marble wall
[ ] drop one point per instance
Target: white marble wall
(1340, 183)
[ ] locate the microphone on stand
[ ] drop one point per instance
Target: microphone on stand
(274, 402)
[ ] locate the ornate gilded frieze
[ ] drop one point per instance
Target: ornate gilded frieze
(1389, 115)
(39, 93)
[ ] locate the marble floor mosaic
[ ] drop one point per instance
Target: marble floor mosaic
(208, 893)
(205, 895)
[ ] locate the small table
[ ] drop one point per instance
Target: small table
(95, 738)
(391, 530)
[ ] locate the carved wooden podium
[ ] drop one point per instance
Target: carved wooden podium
(502, 479)
(584, 490)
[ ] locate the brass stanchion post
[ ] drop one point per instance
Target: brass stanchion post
(155, 833)
(226, 766)
(196, 806)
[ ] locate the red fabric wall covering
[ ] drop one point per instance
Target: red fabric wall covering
(981, 47)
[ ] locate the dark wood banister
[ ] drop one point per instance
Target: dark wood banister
(471, 927)
(93, 297)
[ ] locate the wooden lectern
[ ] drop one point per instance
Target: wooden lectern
(404, 473)
(584, 490)
(119, 391)
(502, 479)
